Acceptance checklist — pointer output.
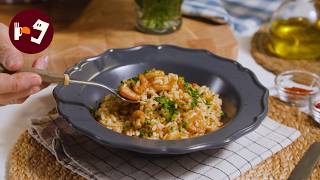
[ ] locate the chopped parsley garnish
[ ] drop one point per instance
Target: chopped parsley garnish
(194, 102)
(194, 93)
(135, 79)
(149, 133)
(142, 133)
(222, 114)
(147, 70)
(184, 124)
(163, 100)
(186, 85)
(147, 122)
(126, 126)
(168, 109)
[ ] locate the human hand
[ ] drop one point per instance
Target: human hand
(17, 87)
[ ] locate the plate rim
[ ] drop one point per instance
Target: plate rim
(256, 120)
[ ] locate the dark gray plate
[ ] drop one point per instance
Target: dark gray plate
(245, 100)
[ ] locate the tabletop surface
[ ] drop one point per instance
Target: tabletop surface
(14, 117)
(88, 28)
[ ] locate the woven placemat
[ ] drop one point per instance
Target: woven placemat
(275, 64)
(29, 160)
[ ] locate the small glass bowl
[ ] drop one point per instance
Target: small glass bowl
(297, 86)
(315, 107)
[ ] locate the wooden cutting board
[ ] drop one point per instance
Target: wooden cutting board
(88, 27)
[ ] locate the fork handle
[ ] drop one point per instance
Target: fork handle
(46, 76)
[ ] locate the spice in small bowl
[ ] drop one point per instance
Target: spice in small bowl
(296, 87)
(315, 107)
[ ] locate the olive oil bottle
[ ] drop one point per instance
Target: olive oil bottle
(295, 38)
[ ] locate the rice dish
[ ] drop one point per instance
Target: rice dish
(169, 108)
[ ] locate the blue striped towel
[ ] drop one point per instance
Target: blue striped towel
(242, 15)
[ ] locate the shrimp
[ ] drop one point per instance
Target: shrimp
(194, 85)
(154, 73)
(164, 87)
(138, 118)
(126, 92)
(159, 87)
(172, 135)
(139, 88)
(192, 127)
(195, 125)
(137, 114)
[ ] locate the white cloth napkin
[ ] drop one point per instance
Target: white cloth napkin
(242, 16)
(95, 161)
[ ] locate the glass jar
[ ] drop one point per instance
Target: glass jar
(296, 87)
(315, 107)
(295, 30)
(158, 16)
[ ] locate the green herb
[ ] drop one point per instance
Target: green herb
(162, 100)
(187, 85)
(135, 79)
(222, 114)
(158, 14)
(168, 109)
(126, 126)
(147, 122)
(184, 124)
(149, 133)
(142, 133)
(194, 93)
(194, 102)
(146, 71)
(181, 78)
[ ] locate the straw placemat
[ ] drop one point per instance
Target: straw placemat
(29, 160)
(275, 64)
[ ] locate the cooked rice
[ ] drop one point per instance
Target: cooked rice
(169, 108)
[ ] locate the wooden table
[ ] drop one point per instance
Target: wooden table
(86, 28)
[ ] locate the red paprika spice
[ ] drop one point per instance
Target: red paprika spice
(297, 90)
